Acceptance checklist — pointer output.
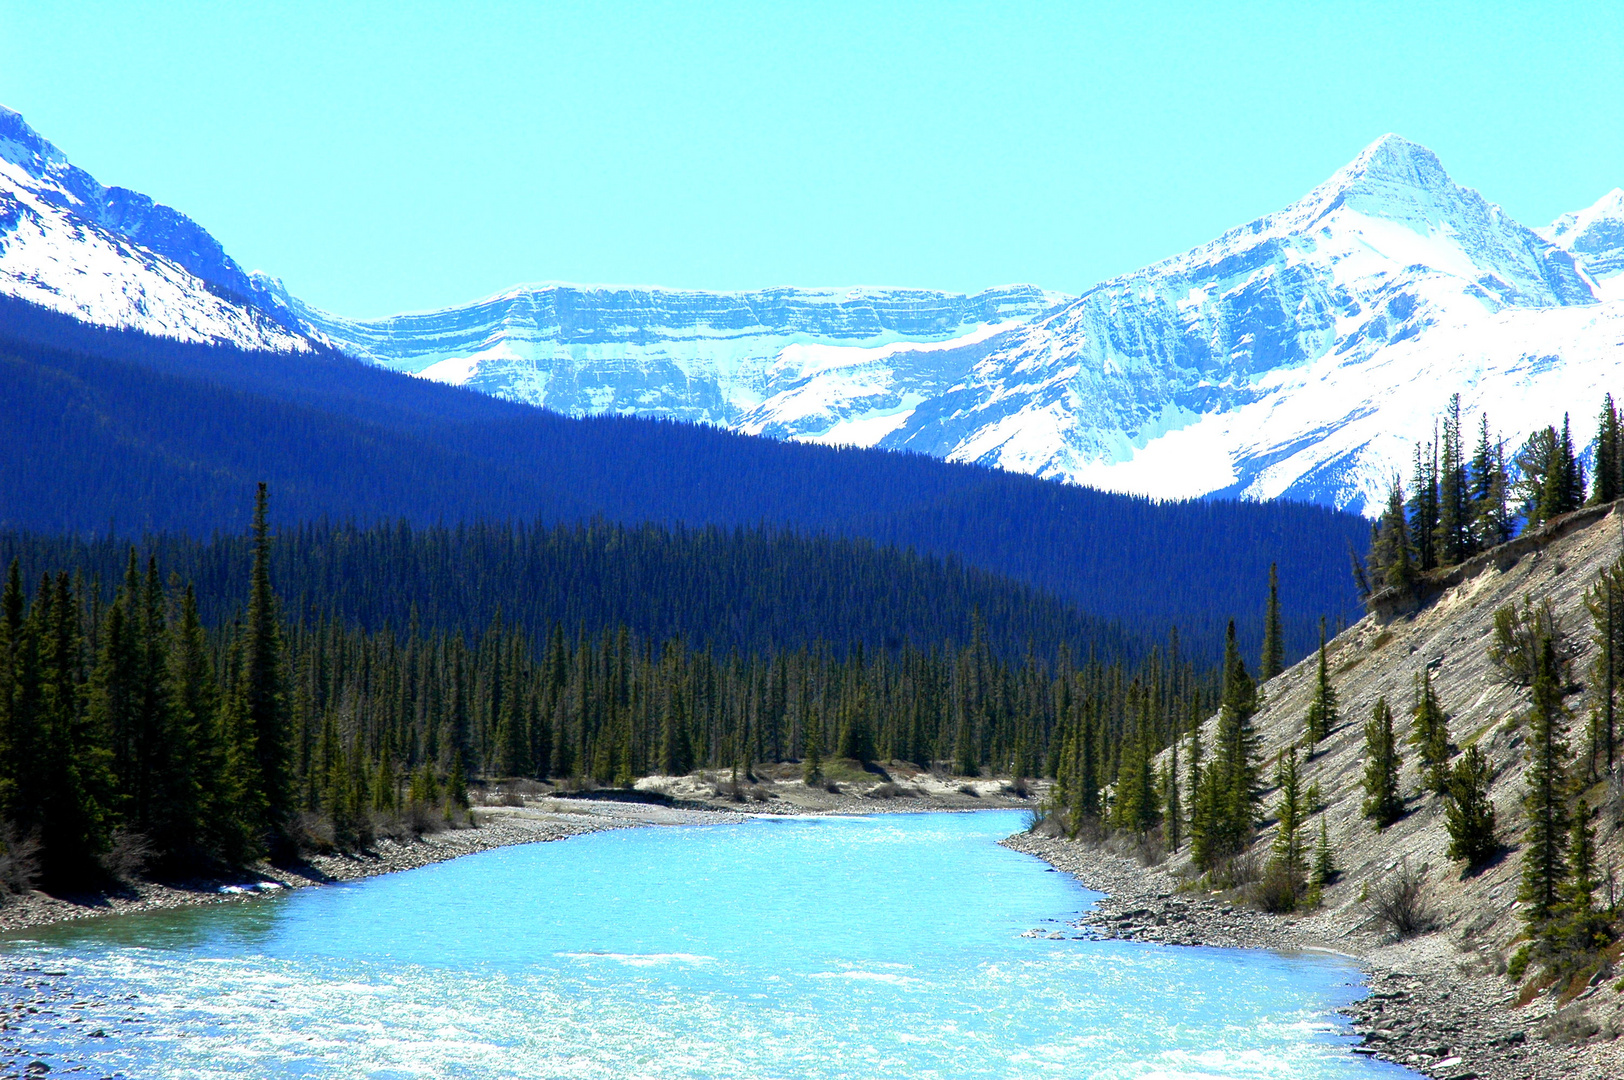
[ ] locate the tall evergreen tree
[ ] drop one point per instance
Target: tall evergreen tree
(262, 688)
(1605, 602)
(1324, 858)
(1468, 813)
(1322, 710)
(1274, 646)
(1491, 491)
(1383, 802)
(1430, 735)
(1605, 486)
(1452, 538)
(1289, 855)
(1173, 807)
(1545, 841)
(1583, 929)
(1423, 518)
(1392, 557)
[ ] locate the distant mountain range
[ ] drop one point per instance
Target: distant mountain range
(1300, 356)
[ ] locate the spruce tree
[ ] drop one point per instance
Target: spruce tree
(1583, 929)
(1383, 802)
(262, 686)
(1172, 810)
(1324, 858)
(1430, 735)
(1423, 516)
(1545, 841)
(1232, 777)
(1452, 538)
(1322, 710)
(1289, 857)
(1468, 813)
(1605, 602)
(1274, 647)
(1604, 487)
(812, 753)
(1391, 554)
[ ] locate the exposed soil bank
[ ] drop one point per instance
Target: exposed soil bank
(1434, 1005)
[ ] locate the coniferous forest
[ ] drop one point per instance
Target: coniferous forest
(148, 436)
(132, 721)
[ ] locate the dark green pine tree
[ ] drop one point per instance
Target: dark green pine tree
(1289, 857)
(1452, 538)
(1392, 557)
(1324, 858)
(1605, 486)
(1491, 491)
(1562, 484)
(13, 753)
(1423, 523)
(1233, 775)
(1134, 807)
(1322, 710)
(1383, 803)
(1468, 813)
(1582, 929)
(205, 810)
(1199, 848)
(1173, 806)
(1605, 602)
(812, 750)
(1430, 735)
(1274, 645)
(1544, 868)
(73, 790)
(262, 689)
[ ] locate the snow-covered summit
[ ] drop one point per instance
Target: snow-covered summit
(1595, 238)
(1203, 373)
(114, 257)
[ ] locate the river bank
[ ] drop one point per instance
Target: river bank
(1435, 1005)
(528, 814)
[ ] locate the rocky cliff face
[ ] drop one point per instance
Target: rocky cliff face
(687, 355)
(1298, 356)
(1595, 238)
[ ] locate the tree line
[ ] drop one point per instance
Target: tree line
(131, 723)
(1460, 504)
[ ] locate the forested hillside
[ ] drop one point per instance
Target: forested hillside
(745, 591)
(130, 724)
(115, 431)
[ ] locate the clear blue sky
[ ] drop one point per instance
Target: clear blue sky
(390, 157)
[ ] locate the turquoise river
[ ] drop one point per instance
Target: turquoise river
(875, 947)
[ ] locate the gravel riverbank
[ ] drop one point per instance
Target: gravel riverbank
(1432, 1007)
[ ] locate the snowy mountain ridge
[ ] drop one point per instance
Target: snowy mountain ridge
(113, 257)
(1301, 355)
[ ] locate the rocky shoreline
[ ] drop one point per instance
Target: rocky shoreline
(1433, 1005)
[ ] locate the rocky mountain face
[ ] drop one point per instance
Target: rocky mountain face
(113, 257)
(688, 355)
(1300, 356)
(1595, 238)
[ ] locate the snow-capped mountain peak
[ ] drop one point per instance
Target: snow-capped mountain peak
(1595, 238)
(114, 257)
